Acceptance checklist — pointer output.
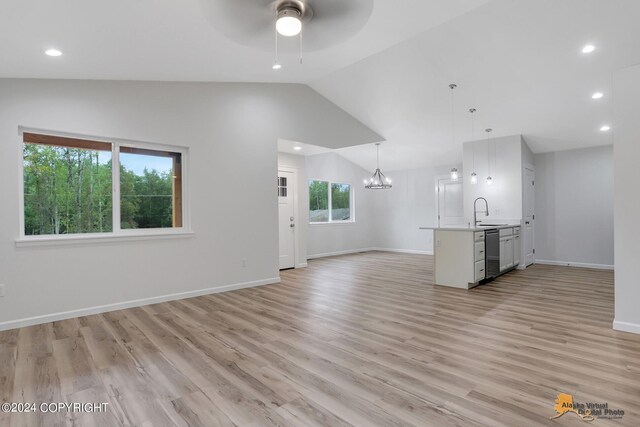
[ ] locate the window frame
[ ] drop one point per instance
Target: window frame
(117, 233)
(352, 204)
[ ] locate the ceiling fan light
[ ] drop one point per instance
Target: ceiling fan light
(288, 22)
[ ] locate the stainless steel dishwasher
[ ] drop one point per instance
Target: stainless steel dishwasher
(492, 250)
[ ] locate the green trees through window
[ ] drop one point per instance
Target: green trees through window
(68, 187)
(340, 202)
(146, 196)
(318, 201)
(325, 206)
(66, 190)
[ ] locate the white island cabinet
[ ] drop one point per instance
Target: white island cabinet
(459, 257)
(460, 254)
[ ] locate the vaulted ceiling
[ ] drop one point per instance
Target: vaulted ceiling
(519, 62)
(188, 40)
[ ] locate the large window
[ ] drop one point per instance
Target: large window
(150, 188)
(330, 202)
(69, 186)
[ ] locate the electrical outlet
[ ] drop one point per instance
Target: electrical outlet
(1, 290)
(438, 243)
(244, 262)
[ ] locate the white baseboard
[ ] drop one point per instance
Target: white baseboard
(37, 320)
(404, 251)
(634, 328)
(575, 264)
(302, 265)
(347, 252)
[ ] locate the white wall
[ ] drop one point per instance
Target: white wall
(385, 219)
(406, 207)
(626, 152)
(231, 131)
(505, 194)
(574, 207)
(325, 239)
(299, 164)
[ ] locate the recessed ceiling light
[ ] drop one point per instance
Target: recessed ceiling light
(297, 148)
(597, 95)
(53, 52)
(588, 48)
(605, 128)
(276, 66)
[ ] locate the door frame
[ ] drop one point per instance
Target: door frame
(439, 178)
(523, 250)
(296, 214)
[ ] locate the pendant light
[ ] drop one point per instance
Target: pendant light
(454, 171)
(489, 178)
(474, 175)
(377, 181)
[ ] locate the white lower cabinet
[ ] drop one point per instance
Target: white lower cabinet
(506, 253)
(479, 257)
(480, 274)
(510, 247)
(517, 248)
(479, 251)
(459, 257)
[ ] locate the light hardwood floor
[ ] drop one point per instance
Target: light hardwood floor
(363, 339)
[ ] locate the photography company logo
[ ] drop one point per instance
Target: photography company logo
(588, 411)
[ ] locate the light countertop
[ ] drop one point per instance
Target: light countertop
(458, 228)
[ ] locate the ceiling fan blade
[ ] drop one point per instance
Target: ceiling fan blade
(252, 22)
(335, 9)
(240, 20)
(335, 21)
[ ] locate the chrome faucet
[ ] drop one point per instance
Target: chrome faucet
(475, 210)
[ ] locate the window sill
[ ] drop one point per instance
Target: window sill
(84, 239)
(324, 224)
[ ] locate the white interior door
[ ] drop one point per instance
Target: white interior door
(450, 204)
(529, 216)
(287, 224)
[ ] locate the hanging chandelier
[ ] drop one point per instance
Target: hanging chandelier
(377, 181)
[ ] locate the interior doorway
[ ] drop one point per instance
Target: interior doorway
(287, 217)
(450, 205)
(529, 216)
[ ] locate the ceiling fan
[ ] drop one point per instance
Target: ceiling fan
(253, 23)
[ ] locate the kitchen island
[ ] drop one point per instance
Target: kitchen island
(465, 256)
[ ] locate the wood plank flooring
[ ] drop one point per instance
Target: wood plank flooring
(362, 340)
